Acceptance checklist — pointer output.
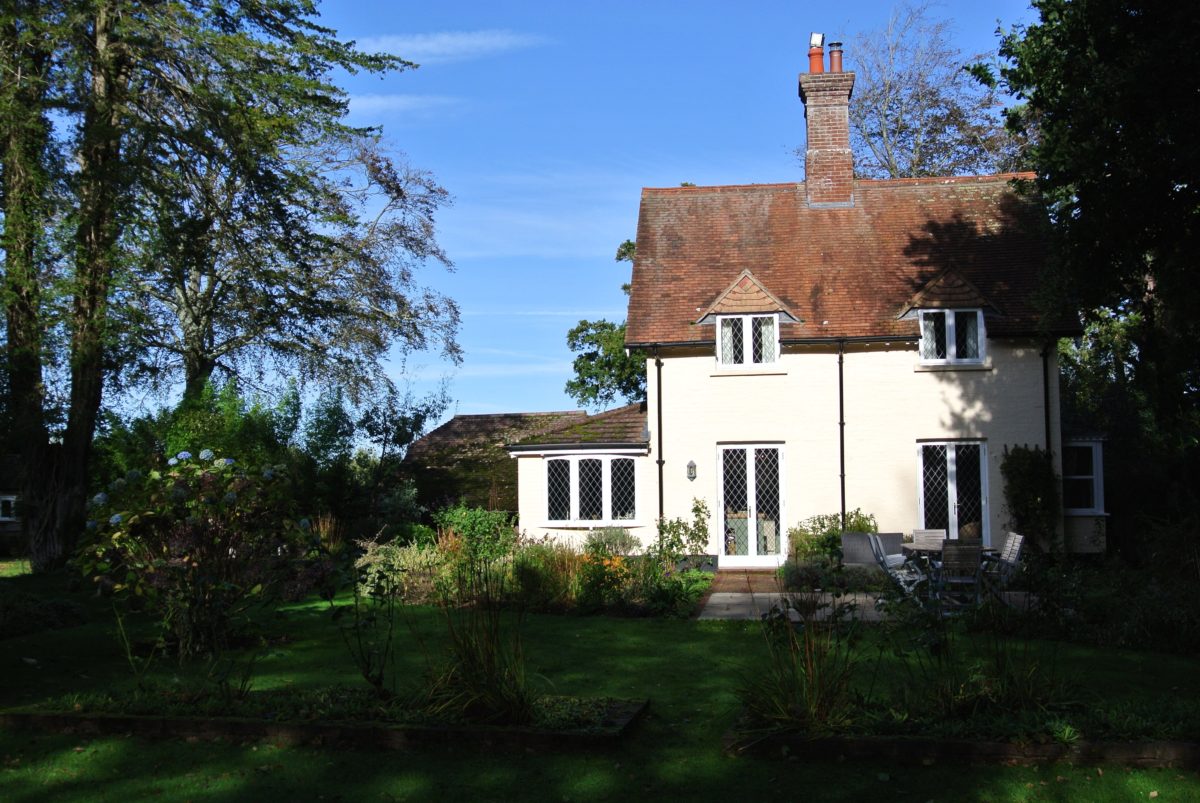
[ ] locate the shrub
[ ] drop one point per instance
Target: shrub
(410, 572)
(613, 541)
(1031, 494)
(821, 536)
(604, 579)
(485, 535)
(198, 545)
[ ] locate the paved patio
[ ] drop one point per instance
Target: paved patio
(743, 594)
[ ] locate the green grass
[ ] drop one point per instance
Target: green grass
(690, 670)
(13, 567)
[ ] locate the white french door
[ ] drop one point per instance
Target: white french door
(953, 488)
(751, 505)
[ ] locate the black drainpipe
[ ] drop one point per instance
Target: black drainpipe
(658, 370)
(842, 425)
(1046, 392)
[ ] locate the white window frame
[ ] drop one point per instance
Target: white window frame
(1097, 478)
(12, 505)
(748, 339)
(606, 461)
(951, 318)
(952, 486)
(752, 559)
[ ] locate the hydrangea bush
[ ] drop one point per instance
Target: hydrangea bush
(198, 545)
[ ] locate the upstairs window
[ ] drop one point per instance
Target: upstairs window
(747, 340)
(952, 336)
(1083, 478)
(595, 490)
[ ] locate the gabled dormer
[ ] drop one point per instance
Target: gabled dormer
(747, 317)
(950, 311)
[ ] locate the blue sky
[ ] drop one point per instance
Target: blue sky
(545, 119)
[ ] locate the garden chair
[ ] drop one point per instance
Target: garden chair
(905, 574)
(958, 580)
(856, 550)
(998, 570)
(928, 540)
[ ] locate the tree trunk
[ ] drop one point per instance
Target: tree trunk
(100, 179)
(24, 182)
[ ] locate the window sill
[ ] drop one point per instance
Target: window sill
(939, 367)
(1081, 514)
(766, 370)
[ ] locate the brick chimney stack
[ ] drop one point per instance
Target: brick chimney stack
(828, 160)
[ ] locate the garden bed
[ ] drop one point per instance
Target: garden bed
(927, 752)
(617, 718)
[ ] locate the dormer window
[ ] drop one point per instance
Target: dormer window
(747, 339)
(952, 336)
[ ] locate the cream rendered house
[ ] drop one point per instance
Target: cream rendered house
(823, 346)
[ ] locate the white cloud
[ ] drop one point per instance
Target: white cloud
(417, 105)
(448, 46)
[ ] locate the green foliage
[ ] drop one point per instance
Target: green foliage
(546, 575)
(820, 537)
(1031, 494)
(806, 682)
(603, 370)
(612, 541)
(485, 677)
(198, 545)
(1125, 235)
(485, 535)
(410, 571)
(677, 537)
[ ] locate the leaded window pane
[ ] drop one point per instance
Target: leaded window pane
(623, 495)
(966, 335)
(766, 500)
(933, 335)
(763, 336)
(732, 351)
(591, 490)
(558, 490)
(737, 524)
(936, 482)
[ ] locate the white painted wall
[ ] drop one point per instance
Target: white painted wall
(890, 403)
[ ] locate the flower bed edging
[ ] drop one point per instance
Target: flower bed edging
(1144, 754)
(369, 735)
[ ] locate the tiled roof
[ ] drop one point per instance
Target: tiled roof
(466, 434)
(624, 425)
(844, 272)
(949, 290)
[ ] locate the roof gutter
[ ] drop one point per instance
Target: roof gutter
(610, 447)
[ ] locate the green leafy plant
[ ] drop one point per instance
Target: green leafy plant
(677, 537)
(613, 541)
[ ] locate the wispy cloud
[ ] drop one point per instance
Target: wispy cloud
(449, 46)
(417, 105)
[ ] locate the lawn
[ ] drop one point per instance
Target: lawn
(690, 670)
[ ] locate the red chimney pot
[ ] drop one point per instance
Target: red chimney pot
(816, 59)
